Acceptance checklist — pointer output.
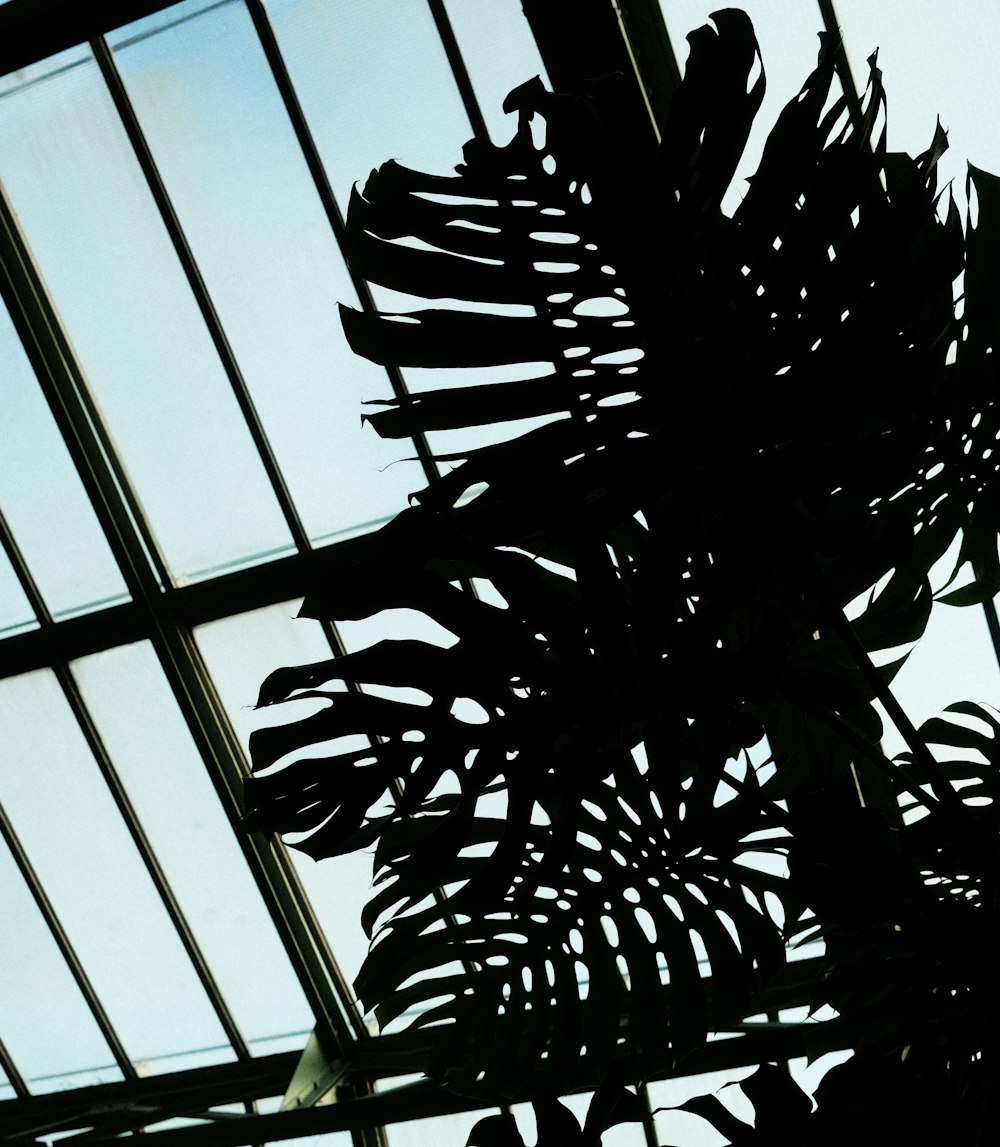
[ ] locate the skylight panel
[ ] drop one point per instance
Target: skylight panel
(938, 62)
(222, 142)
(371, 87)
(77, 843)
(93, 228)
(193, 841)
(479, 27)
(44, 503)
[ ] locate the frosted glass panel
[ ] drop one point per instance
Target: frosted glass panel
(43, 498)
(937, 60)
(92, 873)
(92, 226)
(499, 53)
(240, 652)
(225, 148)
(46, 1024)
(180, 811)
(373, 88)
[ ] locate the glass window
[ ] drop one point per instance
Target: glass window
(372, 88)
(93, 227)
(75, 839)
(47, 1027)
(180, 811)
(225, 148)
(936, 62)
(43, 498)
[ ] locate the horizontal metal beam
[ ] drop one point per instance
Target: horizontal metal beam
(427, 1099)
(31, 30)
(224, 595)
(152, 1100)
(193, 1089)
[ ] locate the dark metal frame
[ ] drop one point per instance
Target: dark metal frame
(605, 37)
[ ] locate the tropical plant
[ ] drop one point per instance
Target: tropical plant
(649, 760)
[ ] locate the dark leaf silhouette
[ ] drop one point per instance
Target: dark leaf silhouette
(749, 422)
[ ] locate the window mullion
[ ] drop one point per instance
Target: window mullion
(61, 380)
(317, 171)
(128, 813)
(128, 535)
(65, 947)
(14, 1077)
(185, 256)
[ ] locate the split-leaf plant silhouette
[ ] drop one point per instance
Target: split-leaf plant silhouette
(649, 761)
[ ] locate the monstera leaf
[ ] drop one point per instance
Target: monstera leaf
(747, 422)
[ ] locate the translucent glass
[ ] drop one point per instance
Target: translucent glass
(240, 652)
(953, 661)
(94, 877)
(177, 804)
(936, 61)
(225, 148)
(621, 1135)
(788, 34)
(373, 88)
(46, 1025)
(43, 498)
(443, 1129)
(15, 612)
(94, 230)
(499, 53)
(679, 1126)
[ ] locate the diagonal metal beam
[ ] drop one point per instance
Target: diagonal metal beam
(199, 289)
(64, 386)
(66, 949)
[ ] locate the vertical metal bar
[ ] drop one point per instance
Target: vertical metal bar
(847, 83)
(185, 256)
(67, 950)
(118, 511)
(51, 358)
(463, 81)
(125, 808)
(321, 978)
(128, 814)
(14, 1077)
(9, 545)
(648, 1122)
(317, 171)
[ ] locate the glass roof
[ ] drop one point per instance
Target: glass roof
(182, 437)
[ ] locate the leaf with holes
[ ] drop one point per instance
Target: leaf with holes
(717, 415)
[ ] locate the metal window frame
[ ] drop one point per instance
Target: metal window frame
(632, 40)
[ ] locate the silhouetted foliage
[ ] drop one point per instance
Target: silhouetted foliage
(656, 696)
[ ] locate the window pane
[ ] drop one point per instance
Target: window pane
(499, 53)
(94, 230)
(240, 652)
(88, 865)
(176, 802)
(953, 661)
(43, 498)
(937, 61)
(15, 612)
(214, 119)
(373, 88)
(46, 1024)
